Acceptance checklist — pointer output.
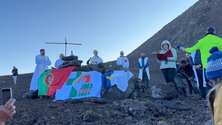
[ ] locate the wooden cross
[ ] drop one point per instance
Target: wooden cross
(65, 44)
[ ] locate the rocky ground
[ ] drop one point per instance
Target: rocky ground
(143, 110)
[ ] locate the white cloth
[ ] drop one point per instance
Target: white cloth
(95, 60)
(14, 79)
(42, 64)
(123, 61)
(121, 78)
(147, 69)
(195, 72)
(58, 63)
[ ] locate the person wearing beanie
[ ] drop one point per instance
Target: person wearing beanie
(168, 66)
(204, 45)
(214, 74)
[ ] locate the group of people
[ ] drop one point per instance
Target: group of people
(204, 63)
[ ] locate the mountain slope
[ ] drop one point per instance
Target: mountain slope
(185, 30)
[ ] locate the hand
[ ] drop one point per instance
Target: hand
(157, 58)
(183, 49)
(7, 111)
(165, 58)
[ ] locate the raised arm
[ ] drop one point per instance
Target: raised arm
(39, 60)
(194, 48)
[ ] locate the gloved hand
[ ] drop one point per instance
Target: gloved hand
(165, 58)
(157, 58)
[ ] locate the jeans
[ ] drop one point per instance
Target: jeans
(14, 79)
(145, 79)
(169, 74)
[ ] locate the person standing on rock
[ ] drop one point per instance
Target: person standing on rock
(168, 66)
(42, 63)
(15, 74)
(214, 74)
(95, 60)
(143, 65)
(122, 60)
(204, 45)
(59, 61)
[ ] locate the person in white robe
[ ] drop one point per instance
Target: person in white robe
(59, 61)
(122, 60)
(95, 60)
(143, 65)
(42, 63)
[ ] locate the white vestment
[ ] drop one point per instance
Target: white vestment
(42, 64)
(147, 69)
(95, 60)
(123, 61)
(58, 63)
(195, 72)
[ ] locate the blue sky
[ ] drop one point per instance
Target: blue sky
(106, 25)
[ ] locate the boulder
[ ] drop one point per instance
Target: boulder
(113, 93)
(139, 108)
(175, 104)
(164, 91)
(140, 91)
(68, 58)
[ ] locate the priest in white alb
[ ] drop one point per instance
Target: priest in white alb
(59, 61)
(122, 60)
(42, 63)
(143, 65)
(95, 60)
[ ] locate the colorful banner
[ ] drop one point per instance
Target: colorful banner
(81, 85)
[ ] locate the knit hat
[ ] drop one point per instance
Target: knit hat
(211, 28)
(214, 64)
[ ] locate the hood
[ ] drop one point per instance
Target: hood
(167, 42)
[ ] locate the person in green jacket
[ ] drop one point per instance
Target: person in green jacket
(204, 45)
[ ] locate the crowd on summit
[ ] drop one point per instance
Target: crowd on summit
(202, 67)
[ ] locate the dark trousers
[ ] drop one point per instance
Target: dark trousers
(145, 79)
(169, 74)
(200, 79)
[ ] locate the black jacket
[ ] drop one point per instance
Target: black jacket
(15, 72)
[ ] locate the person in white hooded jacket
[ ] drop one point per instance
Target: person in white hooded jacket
(168, 66)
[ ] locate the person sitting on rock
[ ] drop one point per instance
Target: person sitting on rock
(59, 61)
(95, 60)
(185, 71)
(143, 65)
(214, 74)
(122, 60)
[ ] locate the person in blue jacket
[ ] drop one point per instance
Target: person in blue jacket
(143, 65)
